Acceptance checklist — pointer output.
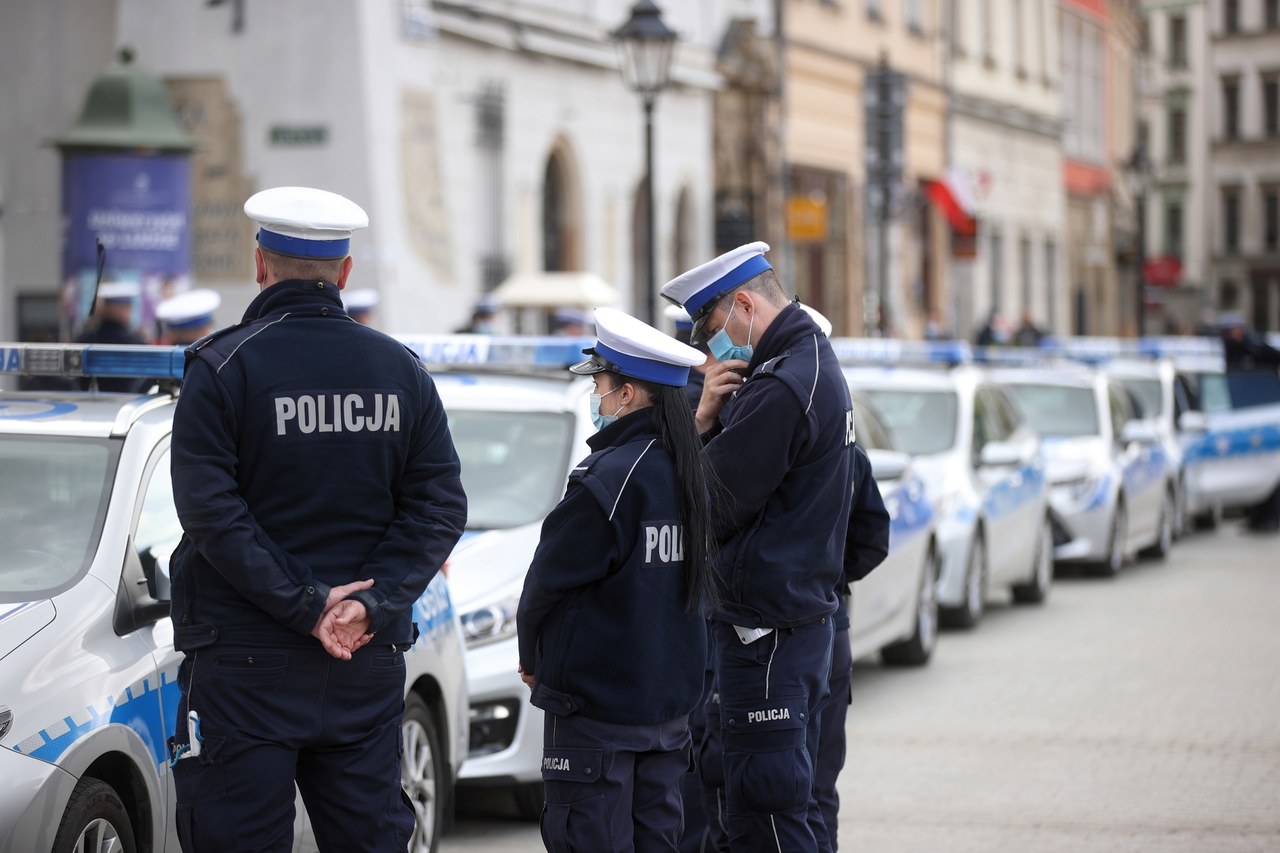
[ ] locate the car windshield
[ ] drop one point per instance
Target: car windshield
(513, 464)
(1149, 395)
(1058, 410)
(53, 500)
(922, 422)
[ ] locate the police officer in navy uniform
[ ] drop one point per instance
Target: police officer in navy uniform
(187, 317)
(782, 461)
(112, 323)
(319, 492)
(683, 328)
(611, 630)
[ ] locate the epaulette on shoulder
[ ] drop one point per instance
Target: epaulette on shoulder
(767, 368)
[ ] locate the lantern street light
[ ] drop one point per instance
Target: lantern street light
(1138, 169)
(646, 45)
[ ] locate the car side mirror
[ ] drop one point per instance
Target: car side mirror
(1141, 432)
(1193, 421)
(888, 465)
(999, 454)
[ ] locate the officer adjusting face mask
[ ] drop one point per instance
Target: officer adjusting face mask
(600, 420)
(722, 346)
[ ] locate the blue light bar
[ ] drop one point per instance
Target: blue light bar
(104, 360)
(497, 352)
(853, 351)
(1010, 356)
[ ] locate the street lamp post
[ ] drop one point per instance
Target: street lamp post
(646, 44)
(1139, 169)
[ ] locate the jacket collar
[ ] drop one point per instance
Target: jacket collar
(790, 325)
(294, 295)
(626, 428)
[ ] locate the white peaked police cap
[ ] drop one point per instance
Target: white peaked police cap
(119, 291)
(360, 301)
(679, 317)
(818, 317)
(302, 222)
(188, 310)
(698, 290)
(633, 348)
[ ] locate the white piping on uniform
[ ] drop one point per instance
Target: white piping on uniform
(773, 821)
(769, 668)
(232, 354)
(629, 473)
(817, 368)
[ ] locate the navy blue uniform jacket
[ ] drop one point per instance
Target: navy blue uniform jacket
(867, 542)
(308, 451)
(783, 455)
(602, 620)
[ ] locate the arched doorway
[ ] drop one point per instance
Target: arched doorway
(561, 212)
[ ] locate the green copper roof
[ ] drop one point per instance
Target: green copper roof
(127, 108)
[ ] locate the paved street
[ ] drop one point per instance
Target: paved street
(1135, 714)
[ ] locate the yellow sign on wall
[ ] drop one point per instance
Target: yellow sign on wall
(807, 218)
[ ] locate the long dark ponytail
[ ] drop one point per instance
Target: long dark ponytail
(674, 421)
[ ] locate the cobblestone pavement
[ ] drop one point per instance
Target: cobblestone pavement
(1140, 713)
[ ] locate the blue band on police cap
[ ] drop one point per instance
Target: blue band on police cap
(300, 248)
(662, 372)
(189, 322)
(748, 269)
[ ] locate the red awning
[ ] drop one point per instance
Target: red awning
(962, 222)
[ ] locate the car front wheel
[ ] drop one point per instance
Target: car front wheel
(1036, 589)
(95, 821)
(423, 774)
(916, 649)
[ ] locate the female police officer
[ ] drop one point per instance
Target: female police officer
(612, 637)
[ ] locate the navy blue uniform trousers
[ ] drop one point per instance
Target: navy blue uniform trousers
(831, 740)
(273, 715)
(612, 788)
(772, 693)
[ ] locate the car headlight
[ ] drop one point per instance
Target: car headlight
(1080, 488)
(490, 622)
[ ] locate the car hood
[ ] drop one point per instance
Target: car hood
(1073, 458)
(20, 621)
(485, 563)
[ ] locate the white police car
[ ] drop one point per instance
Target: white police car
(894, 610)
(1111, 486)
(88, 672)
(982, 465)
(520, 421)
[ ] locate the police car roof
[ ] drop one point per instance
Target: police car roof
(916, 378)
(1067, 378)
(510, 392)
(76, 413)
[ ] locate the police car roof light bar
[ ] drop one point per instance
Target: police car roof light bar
(497, 352)
(102, 360)
(856, 351)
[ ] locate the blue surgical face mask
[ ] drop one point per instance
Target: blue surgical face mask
(602, 421)
(723, 348)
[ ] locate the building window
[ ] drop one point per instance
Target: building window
(915, 16)
(1271, 13)
(873, 10)
(1271, 219)
(1051, 284)
(1178, 41)
(1019, 40)
(1271, 106)
(1231, 107)
(984, 33)
(1231, 16)
(1231, 221)
(1177, 135)
(1024, 269)
(1228, 295)
(997, 271)
(1173, 228)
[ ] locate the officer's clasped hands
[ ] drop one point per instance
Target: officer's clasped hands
(343, 627)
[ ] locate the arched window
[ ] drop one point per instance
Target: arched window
(561, 212)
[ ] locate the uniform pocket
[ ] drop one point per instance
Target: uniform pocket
(575, 818)
(767, 765)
